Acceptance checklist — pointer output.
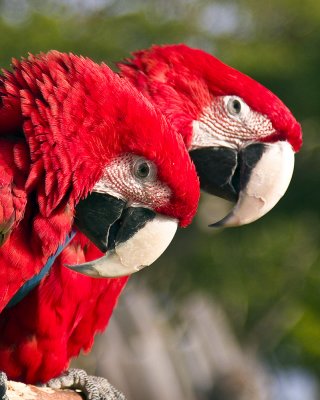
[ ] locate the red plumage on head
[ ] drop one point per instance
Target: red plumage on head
(183, 81)
(67, 101)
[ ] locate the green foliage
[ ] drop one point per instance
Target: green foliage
(99, 34)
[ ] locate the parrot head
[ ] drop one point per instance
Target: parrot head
(103, 160)
(241, 137)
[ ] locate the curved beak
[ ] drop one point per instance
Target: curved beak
(134, 239)
(256, 178)
(96, 214)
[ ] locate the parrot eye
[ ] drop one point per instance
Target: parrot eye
(234, 105)
(143, 169)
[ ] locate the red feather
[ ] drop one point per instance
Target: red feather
(58, 319)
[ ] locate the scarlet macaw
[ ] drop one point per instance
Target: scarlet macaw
(82, 153)
(241, 137)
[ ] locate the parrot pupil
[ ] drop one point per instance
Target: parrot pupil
(236, 106)
(143, 170)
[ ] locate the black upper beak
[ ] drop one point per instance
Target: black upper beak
(96, 214)
(255, 177)
(223, 171)
(216, 167)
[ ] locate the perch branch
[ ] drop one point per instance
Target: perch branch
(20, 391)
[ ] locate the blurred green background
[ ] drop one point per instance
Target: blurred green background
(265, 276)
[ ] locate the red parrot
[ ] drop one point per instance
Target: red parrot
(241, 137)
(82, 154)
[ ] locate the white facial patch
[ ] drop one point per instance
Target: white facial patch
(120, 180)
(219, 126)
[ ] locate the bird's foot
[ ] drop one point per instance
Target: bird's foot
(3, 386)
(93, 387)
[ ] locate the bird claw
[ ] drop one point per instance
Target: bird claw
(3, 386)
(93, 387)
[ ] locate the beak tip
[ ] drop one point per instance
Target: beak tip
(230, 220)
(82, 269)
(217, 224)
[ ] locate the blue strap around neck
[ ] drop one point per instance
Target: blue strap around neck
(36, 279)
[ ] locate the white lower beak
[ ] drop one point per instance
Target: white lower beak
(139, 251)
(268, 182)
